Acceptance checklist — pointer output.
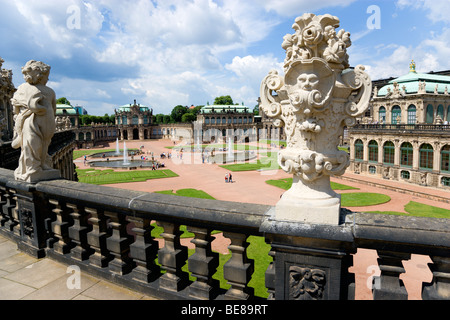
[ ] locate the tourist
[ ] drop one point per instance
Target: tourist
(226, 177)
(230, 179)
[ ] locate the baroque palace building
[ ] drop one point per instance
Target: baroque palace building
(407, 136)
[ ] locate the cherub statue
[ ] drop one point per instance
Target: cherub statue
(34, 113)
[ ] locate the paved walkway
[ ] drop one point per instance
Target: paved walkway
(23, 277)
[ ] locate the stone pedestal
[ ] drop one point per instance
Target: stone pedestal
(310, 261)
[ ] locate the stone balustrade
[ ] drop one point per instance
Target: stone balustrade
(107, 232)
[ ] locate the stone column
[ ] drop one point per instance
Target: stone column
(318, 95)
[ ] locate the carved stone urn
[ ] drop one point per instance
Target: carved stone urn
(317, 97)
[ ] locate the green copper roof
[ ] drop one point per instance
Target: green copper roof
(411, 83)
(225, 108)
(127, 108)
(68, 108)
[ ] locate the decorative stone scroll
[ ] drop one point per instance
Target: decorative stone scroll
(316, 98)
(34, 115)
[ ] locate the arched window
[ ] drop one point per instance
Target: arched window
(81, 136)
(145, 119)
(373, 151)
(405, 174)
(88, 136)
(430, 114)
(245, 119)
(445, 181)
(448, 114)
(240, 120)
(124, 120)
(235, 120)
(224, 120)
(440, 111)
(382, 115)
(118, 120)
(388, 152)
(359, 150)
(229, 120)
(445, 158)
(135, 119)
(396, 115)
(406, 154)
(426, 156)
(412, 114)
(206, 120)
(213, 120)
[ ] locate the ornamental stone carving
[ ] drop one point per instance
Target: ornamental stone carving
(306, 283)
(34, 114)
(316, 98)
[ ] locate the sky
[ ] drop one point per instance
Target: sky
(163, 53)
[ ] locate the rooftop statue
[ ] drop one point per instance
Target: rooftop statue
(34, 111)
(316, 98)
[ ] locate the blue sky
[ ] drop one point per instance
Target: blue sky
(106, 53)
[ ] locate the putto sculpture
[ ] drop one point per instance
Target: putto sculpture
(34, 108)
(317, 97)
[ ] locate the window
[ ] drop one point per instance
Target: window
(430, 114)
(206, 120)
(229, 120)
(396, 115)
(373, 151)
(448, 114)
(124, 120)
(445, 158)
(235, 120)
(388, 152)
(81, 136)
(359, 150)
(382, 115)
(445, 181)
(135, 119)
(405, 174)
(372, 169)
(412, 114)
(224, 120)
(406, 154)
(426, 156)
(213, 120)
(440, 111)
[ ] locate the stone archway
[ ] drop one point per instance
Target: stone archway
(135, 134)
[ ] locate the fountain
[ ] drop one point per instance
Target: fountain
(117, 146)
(125, 154)
(230, 151)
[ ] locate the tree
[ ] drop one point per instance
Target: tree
(63, 100)
(223, 100)
(178, 112)
(188, 117)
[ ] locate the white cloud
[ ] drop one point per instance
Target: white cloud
(437, 9)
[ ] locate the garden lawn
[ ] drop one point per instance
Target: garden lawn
(417, 209)
(192, 193)
(109, 176)
(363, 199)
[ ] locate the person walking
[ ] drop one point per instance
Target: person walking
(230, 179)
(226, 177)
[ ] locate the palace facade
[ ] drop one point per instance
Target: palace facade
(407, 136)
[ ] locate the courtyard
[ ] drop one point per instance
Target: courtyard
(251, 187)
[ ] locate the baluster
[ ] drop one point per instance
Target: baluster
(203, 264)
(3, 215)
(96, 238)
(172, 258)
(439, 288)
(389, 286)
(60, 228)
(119, 244)
(12, 223)
(144, 251)
(78, 233)
(270, 277)
(238, 270)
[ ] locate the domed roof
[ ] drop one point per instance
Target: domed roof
(410, 82)
(65, 109)
(128, 107)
